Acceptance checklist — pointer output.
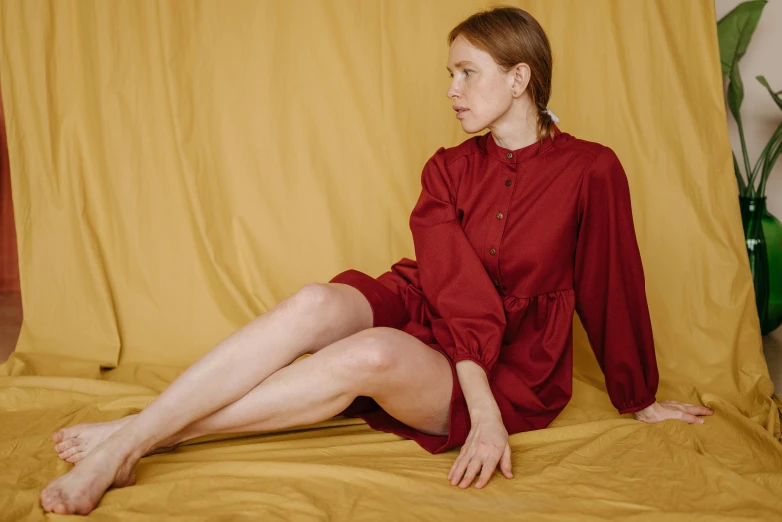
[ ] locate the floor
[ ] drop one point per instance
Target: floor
(11, 322)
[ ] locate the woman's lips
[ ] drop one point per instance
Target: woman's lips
(460, 114)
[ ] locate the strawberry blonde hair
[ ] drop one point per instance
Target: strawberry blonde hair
(511, 36)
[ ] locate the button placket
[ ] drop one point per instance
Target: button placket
(497, 229)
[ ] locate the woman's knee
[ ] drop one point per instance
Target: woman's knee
(408, 379)
(313, 294)
(329, 312)
(371, 352)
(306, 306)
(339, 304)
(316, 304)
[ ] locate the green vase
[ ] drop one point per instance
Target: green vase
(763, 235)
(772, 230)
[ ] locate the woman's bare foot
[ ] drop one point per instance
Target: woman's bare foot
(74, 443)
(80, 490)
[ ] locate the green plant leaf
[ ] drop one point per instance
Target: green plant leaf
(773, 94)
(773, 142)
(770, 157)
(735, 95)
(734, 31)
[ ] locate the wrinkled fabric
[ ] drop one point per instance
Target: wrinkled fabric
(179, 168)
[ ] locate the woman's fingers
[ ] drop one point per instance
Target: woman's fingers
(470, 462)
(692, 419)
(687, 412)
(459, 466)
(692, 409)
(505, 463)
(452, 471)
(691, 413)
(472, 469)
(466, 447)
(452, 476)
(489, 465)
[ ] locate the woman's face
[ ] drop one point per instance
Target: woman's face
(479, 86)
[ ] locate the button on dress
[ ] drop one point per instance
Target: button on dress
(508, 245)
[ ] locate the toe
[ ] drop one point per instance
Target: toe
(76, 457)
(70, 452)
(46, 494)
(68, 433)
(49, 499)
(66, 444)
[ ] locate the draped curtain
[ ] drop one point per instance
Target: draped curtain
(179, 168)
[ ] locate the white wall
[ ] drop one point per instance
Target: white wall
(759, 114)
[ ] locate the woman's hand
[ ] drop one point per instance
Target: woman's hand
(486, 445)
(660, 411)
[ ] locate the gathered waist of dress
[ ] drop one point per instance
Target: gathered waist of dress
(565, 293)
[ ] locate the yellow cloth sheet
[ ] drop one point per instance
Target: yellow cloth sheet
(178, 168)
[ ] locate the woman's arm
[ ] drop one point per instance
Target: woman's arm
(611, 296)
(487, 443)
(477, 393)
(610, 286)
(470, 321)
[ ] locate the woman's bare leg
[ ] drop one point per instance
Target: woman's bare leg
(395, 369)
(314, 317)
(407, 378)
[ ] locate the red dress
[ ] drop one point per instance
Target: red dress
(509, 243)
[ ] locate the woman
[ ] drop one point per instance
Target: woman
(456, 348)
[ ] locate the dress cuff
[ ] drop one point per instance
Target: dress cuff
(476, 360)
(638, 407)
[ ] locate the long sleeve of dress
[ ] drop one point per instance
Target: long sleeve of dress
(452, 276)
(610, 288)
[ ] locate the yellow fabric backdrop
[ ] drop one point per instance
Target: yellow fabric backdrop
(180, 167)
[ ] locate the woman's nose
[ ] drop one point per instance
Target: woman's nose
(452, 91)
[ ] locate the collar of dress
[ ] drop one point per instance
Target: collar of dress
(522, 154)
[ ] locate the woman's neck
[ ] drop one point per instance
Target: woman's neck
(517, 128)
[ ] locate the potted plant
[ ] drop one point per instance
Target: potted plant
(762, 231)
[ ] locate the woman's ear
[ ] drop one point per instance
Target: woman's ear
(521, 75)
